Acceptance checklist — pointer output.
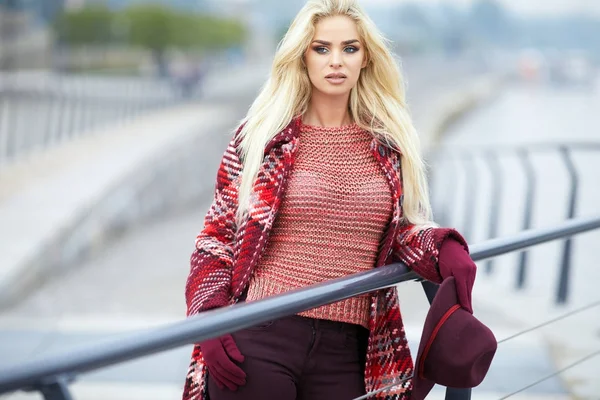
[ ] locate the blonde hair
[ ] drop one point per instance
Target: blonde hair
(377, 103)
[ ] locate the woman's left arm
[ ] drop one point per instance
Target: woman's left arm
(435, 254)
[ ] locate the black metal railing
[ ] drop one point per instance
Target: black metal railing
(450, 159)
(42, 110)
(51, 375)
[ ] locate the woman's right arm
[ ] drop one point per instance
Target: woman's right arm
(209, 282)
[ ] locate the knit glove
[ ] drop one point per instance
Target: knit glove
(454, 260)
(218, 353)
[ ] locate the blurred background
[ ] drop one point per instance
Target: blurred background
(114, 115)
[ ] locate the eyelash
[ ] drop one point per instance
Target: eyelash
(354, 48)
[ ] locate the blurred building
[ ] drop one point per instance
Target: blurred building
(25, 40)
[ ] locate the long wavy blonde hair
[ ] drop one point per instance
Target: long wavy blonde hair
(377, 103)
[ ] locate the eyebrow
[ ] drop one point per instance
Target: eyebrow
(345, 42)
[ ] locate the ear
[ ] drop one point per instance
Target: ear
(365, 63)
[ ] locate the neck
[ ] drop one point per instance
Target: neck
(327, 111)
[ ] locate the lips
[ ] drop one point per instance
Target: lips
(336, 75)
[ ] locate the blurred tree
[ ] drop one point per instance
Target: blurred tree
(216, 34)
(154, 27)
(87, 25)
(159, 28)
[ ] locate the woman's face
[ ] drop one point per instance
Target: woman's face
(335, 56)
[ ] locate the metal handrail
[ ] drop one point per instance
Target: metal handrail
(449, 150)
(201, 327)
(51, 369)
(464, 158)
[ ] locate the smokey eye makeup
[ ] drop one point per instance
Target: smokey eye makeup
(348, 49)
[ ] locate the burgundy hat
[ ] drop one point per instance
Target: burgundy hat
(456, 349)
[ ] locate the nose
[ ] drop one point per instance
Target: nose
(336, 59)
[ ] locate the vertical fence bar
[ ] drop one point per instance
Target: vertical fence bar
(458, 394)
(11, 123)
(3, 128)
(451, 200)
(565, 269)
(529, 198)
(51, 118)
(430, 290)
(438, 184)
(471, 193)
(492, 162)
(56, 390)
(60, 104)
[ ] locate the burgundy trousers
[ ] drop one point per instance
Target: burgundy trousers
(298, 358)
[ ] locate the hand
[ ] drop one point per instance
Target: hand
(218, 353)
(455, 261)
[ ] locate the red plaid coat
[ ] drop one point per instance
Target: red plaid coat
(226, 255)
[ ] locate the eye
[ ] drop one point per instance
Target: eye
(321, 49)
(351, 49)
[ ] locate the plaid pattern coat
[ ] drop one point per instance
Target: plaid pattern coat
(225, 256)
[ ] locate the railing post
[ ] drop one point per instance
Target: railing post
(470, 197)
(57, 390)
(430, 290)
(565, 269)
(450, 213)
(3, 131)
(458, 394)
(529, 197)
(492, 162)
(439, 187)
(11, 123)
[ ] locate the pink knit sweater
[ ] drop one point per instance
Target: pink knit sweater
(331, 221)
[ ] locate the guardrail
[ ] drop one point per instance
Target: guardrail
(452, 159)
(39, 110)
(52, 375)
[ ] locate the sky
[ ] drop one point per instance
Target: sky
(527, 7)
(523, 7)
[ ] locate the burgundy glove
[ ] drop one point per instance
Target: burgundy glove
(217, 354)
(455, 261)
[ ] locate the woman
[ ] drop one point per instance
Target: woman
(323, 179)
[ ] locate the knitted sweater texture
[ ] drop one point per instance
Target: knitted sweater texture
(227, 253)
(332, 219)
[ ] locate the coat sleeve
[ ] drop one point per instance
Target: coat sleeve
(209, 281)
(419, 249)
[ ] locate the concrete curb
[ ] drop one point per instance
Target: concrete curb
(456, 104)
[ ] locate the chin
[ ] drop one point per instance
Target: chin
(334, 91)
